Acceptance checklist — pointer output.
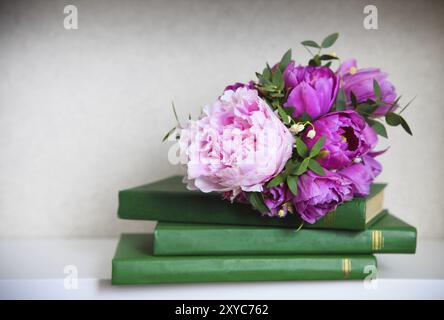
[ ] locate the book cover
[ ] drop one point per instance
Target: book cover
(386, 235)
(134, 263)
(169, 200)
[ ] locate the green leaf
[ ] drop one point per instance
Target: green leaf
(328, 57)
(328, 64)
(276, 180)
(378, 127)
(395, 103)
(405, 126)
(407, 105)
(175, 113)
(310, 43)
(289, 110)
(266, 74)
(169, 133)
(377, 89)
(315, 62)
(305, 117)
(317, 147)
(284, 116)
(277, 77)
(290, 166)
(302, 167)
(393, 119)
(292, 183)
(286, 58)
(301, 147)
(366, 109)
(341, 102)
(314, 166)
(329, 40)
(353, 99)
(257, 201)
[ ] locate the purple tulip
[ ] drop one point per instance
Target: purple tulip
(319, 195)
(347, 136)
(313, 89)
(360, 82)
(362, 175)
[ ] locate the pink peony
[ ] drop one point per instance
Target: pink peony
(237, 144)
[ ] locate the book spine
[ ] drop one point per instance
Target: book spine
(216, 240)
(198, 208)
(232, 269)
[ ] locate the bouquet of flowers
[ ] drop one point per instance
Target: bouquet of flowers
(299, 140)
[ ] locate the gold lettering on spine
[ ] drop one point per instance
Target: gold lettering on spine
(346, 267)
(377, 240)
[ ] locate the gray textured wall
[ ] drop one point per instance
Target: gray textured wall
(82, 112)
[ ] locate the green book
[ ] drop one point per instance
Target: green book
(386, 235)
(134, 263)
(169, 200)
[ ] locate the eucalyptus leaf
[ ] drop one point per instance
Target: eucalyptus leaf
(353, 99)
(286, 58)
(328, 57)
(276, 180)
(407, 105)
(175, 113)
(405, 126)
(292, 182)
(266, 74)
(393, 119)
(257, 201)
(377, 89)
(341, 103)
(277, 78)
(317, 147)
(314, 166)
(301, 147)
(329, 40)
(310, 43)
(366, 109)
(305, 117)
(169, 133)
(284, 116)
(289, 110)
(378, 127)
(302, 167)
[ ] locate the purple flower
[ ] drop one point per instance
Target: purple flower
(249, 85)
(313, 89)
(360, 82)
(319, 195)
(362, 175)
(347, 136)
(275, 198)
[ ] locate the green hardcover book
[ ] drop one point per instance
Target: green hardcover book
(134, 263)
(386, 235)
(169, 200)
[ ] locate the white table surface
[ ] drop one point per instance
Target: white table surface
(34, 269)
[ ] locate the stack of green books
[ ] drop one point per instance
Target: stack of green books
(201, 238)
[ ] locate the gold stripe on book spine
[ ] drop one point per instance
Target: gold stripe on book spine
(346, 267)
(377, 240)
